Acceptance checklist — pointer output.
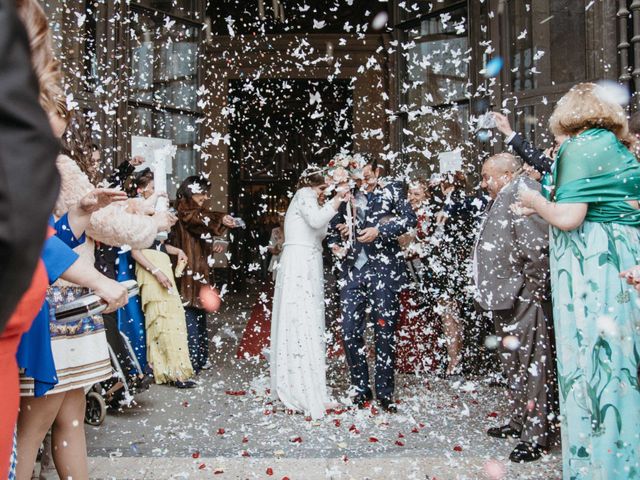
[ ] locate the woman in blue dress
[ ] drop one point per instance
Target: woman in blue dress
(595, 236)
(35, 356)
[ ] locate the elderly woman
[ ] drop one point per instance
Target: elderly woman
(594, 236)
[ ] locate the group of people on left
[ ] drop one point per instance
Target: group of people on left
(62, 239)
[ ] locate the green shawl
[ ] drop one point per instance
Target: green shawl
(594, 167)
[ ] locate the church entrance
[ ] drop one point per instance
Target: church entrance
(278, 127)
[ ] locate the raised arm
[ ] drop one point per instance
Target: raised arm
(113, 224)
(121, 174)
(312, 213)
(565, 216)
(334, 237)
(530, 154)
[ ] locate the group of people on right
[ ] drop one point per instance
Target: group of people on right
(555, 265)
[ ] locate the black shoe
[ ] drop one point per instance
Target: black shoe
(140, 384)
(388, 405)
(526, 452)
(504, 432)
(363, 401)
(185, 384)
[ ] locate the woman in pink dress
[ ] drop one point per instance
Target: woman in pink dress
(417, 333)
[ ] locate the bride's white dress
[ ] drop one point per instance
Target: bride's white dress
(297, 358)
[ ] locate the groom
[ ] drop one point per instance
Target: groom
(372, 274)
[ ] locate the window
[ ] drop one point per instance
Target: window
(74, 30)
(547, 43)
(544, 44)
(435, 87)
(438, 68)
(191, 9)
(163, 85)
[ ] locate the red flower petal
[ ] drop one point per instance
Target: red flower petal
(245, 439)
(373, 439)
(218, 471)
(457, 448)
(492, 415)
(400, 435)
(381, 322)
(202, 466)
(235, 393)
(415, 430)
(296, 440)
(195, 455)
(269, 471)
(185, 404)
(336, 422)
(221, 431)
(399, 443)
(245, 453)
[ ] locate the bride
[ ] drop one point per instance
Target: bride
(297, 358)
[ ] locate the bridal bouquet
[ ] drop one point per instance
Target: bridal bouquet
(343, 173)
(344, 170)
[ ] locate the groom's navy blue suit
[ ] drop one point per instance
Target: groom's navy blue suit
(372, 277)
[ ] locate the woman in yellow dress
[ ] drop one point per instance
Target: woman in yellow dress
(167, 345)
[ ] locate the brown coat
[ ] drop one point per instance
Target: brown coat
(194, 233)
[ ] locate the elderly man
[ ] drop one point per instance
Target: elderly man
(511, 267)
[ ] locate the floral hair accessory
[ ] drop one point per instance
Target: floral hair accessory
(312, 170)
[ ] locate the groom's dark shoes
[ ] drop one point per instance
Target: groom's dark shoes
(388, 405)
(504, 432)
(362, 400)
(526, 452)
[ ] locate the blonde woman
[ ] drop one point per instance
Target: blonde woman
(595, 235)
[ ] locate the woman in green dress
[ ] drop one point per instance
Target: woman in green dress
(595, 236)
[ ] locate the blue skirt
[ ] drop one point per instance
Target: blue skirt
(131, 318)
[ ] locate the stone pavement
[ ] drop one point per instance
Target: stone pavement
(227, 428)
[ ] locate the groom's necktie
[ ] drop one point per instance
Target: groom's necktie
(361, 205)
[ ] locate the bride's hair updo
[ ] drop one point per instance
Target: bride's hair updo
(311, 177)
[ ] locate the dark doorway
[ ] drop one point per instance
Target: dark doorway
(278, 127)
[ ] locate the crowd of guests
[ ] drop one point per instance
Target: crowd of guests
(553, 263)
